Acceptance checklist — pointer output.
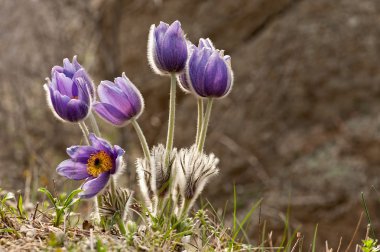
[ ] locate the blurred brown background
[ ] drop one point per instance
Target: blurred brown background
(301, 127)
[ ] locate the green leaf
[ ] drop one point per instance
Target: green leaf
(49, 195)
(20, 207)
(69, 199)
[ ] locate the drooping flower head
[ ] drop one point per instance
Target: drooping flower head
(95, 163)
(120, 102)
(69, 91)
(209, 72)
(167, 49)
(194, 169)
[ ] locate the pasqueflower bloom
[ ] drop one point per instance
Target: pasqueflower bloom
(209, 72)
(167, 49)
(120, 101)
(182, 78)
(95, 163)
(69, 92)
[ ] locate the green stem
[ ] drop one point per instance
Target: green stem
(200, 119)
(185, 208)
(170, 136)
(206, 119)
(94, 125)
(85, 132)
(121, 225)
(142, 139)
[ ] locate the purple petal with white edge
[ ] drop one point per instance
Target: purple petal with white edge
(75, 63)
(216, 76)
(64, 84)
(77, 110)
(118, 153)
(174, 48)
(196, 70)
(114, 96)
(132, 94)
(110, 113)
(94, 186)
(183, 83)
(72, 170)
(59, 103)
(205, 43)
(58, 69)
(81, 153)
(81, 73)
(69, 68)
(100, 144)
(83, 92)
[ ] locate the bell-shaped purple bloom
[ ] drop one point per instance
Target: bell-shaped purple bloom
(209, 72)
(74, 70)
(95, 163)
(167, 49)
(120, 102)
(68, 98)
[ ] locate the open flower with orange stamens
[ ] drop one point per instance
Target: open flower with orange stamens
(95, 163)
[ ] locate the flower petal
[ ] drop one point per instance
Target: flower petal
(72, 170)
(81, 153)
(216, 76)
(93, 186)
(77, 110)
(110, 114)
(64, 84)
(100, 144)
(59, 103)
(118, 153)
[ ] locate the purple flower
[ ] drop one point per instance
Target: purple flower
(68, 97)
(95, 163)
(182, 77)
(120, 100)
(167, 49)
(74, 70)
(208, 71)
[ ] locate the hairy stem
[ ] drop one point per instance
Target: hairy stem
(85, 132)
(170, 136)
(94, 125)
(143, 142)
(206, 119)
(200, 119)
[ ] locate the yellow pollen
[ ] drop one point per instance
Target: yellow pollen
(99, 163)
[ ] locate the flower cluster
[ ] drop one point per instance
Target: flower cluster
(165, 174)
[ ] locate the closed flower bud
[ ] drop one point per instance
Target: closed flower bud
(120, 101)
(209, 72)
(167, 49)
(194, 169)
(155, 177)
(68, 97)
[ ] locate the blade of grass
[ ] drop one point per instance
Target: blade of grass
(367, 214)
(246, 218)
(315, 238)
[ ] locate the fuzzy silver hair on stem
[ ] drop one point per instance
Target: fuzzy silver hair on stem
(155, 177)
(117, 202)
(194, 171)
